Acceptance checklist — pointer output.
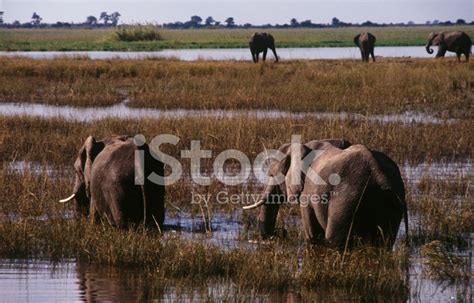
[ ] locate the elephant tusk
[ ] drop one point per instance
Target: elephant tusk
(67, 199)
(258, 204)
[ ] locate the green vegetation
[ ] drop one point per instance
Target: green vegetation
(138, 33)
(104, 39)
(440, 88)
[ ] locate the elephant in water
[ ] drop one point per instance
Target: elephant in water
(261, 42)
(106, 183)
(366, 43)
(457, 42)
(359, 195)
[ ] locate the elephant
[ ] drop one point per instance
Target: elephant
(261, 42)
(366, 43)
(457, 42)
(362, 200)
(105, 185)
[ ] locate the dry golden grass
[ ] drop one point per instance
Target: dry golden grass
(441, 87)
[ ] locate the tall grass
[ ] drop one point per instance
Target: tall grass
(440, 88)
(57, 141)
(138, 32)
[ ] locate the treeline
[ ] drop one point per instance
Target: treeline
(112, 20)
(103, 20)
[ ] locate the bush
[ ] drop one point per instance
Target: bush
(138, 33)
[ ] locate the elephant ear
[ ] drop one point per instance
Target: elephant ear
(438, 39)
(89, 152)
(292, 166)
(356, 39)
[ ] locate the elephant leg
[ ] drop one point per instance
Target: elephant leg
(467, 56)
(275, 54)
(372, 54)
(257, 54)
(265, 55)
(458, 55)
(312, 229)
(253, 57)
(441, 51)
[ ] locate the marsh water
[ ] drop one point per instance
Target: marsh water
(45, 281)
(122, 110)
(29, 280)
(235, 53)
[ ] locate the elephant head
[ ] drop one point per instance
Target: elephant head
(356, 39)
(434, 38)
(82, 167)
(285, 184)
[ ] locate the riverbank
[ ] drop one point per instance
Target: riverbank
(104, 39)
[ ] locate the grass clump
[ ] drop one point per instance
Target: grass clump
(138, 32)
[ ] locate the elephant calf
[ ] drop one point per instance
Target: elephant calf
(361, 196)
(366, 44)
(106, 186)
(457, 42)
(261, 42)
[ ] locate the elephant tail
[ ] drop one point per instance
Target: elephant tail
(142, 187)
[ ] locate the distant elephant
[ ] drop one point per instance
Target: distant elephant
(362, 195)
(457, 42)
(261, 42)
(366, 43)
(106, 187)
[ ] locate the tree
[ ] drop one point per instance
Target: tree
(104, 16)
(114, 17)
(294, 22)
(306, 23)
(230, 22)
(335, 22)
(460, 21)
(209, 21)
(435, 22)
(36, 19)
(1, 17)
(91, 20)
(428, 22)
(196, 21)
(411, 23)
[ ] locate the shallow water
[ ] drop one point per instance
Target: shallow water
(121, 110)
(236, 53)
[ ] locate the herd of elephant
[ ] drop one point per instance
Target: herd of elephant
(457, 42)
(366, 204)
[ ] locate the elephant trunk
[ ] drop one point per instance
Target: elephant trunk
(428, 48)
(270, 204)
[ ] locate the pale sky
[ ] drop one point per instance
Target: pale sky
(243, 11)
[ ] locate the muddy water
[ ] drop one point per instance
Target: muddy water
(121, 110)
(237, 53)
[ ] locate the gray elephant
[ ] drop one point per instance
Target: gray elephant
(366, 44)
(106, 186)
(362, 196)
(261, 42)
(457, 42)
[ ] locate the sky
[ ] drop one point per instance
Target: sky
(243, 11)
